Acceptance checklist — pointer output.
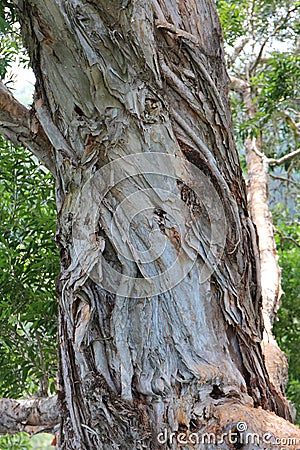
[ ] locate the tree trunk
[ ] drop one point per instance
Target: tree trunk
(160, 318)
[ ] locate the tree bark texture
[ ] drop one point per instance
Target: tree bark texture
(160, 322)
(29, 415)
(22, 128)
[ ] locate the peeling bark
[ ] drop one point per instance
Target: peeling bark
(160, 317)
(20, 125)
(28, 415)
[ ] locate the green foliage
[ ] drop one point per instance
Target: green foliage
(257, 56)
(233, 17)
(11, 48)
(278, 81)
(22, 441)
(41, 442)
(278, 95)
(28, 266)
(293, 393)
(255, 20)
(7, 15)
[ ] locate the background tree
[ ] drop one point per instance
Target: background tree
(120, 100)
(263, 58)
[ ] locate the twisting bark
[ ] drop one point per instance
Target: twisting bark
(160, 323)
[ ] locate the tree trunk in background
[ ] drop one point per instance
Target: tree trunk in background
(160, 322)
(270, 274)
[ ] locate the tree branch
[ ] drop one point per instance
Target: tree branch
(20, 125)
(29, 415)
(285, 158)
(288, 238)
(285, 180)
(237, 84)
(295, 126)
(279, 26)
(276, 162)
(236, 52)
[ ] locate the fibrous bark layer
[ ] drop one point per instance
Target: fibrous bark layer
(160, 322)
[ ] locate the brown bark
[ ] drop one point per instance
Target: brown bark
(29, 415)
(21, 126)
(160, 321)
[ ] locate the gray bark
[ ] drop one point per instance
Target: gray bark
(160, 322)
(29, 415)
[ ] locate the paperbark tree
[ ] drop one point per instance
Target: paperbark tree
(160, 317)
